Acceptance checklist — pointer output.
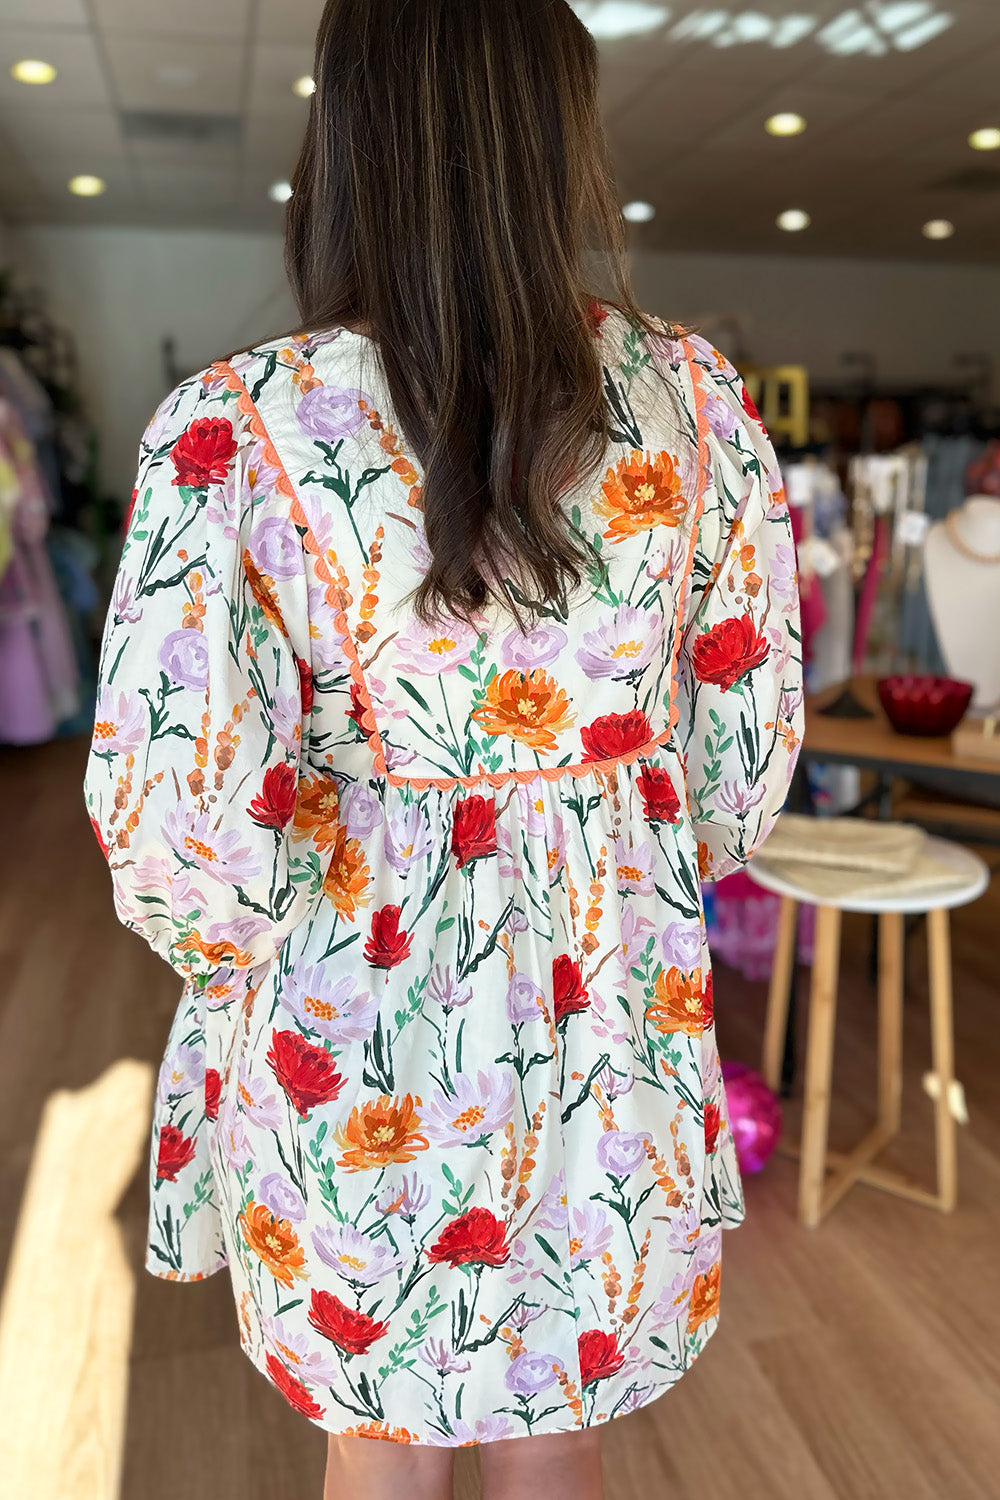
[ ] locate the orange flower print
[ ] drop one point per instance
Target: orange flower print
(640, 493)
(529, 706)
(263, 591)
(216, 955)
(274, 1241)
(380, 1430)
(679, 1003)
(380, 1132)
(348, 878)
(704, 1298)
(316, 810)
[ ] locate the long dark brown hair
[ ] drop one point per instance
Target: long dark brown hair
(454, 177)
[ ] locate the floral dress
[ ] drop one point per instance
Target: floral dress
(443, 1090)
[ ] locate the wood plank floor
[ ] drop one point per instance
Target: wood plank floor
(857, 1361)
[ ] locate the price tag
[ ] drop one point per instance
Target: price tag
(817, 556)
(913, 527)
(799, 484)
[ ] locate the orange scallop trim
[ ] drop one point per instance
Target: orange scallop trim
(700, 406)
(338, 596)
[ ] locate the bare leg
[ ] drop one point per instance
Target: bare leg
(370, 1469)
(566, 1466)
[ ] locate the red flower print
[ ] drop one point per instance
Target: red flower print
(202, 454)
(305, 686)
(708, 1001)
(713, 1124)
(354, 1332)
(661, 802)
(213, 1089)
(99, 837)
(615, 735)
(476, 1238)
(388, 945)
(358, 709)
(596, 315)
(749, 405)
(729, 651)
(294, 1392)
(568, 989)
(275, 807)
(474, 829)
(600, 1355)
(175, 1151)
(127, 521)
(306, 1072)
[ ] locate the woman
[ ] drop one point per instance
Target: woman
(454, 643)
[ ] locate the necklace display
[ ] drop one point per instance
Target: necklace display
(961, 545)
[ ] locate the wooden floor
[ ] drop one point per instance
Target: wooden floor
(856, 1361)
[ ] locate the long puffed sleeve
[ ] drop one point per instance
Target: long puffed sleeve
(740, 668)
(204, 689)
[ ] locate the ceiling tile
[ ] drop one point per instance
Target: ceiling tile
(289, 20)
(211, 154)
(44, 12)
(188, 188)
(198, 18)
(37, 134)
(191, 76)
(80, 80)
(272, 143)
(54, 173)
(274, 68)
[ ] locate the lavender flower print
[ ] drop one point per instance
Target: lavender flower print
(447, 990)
(282, 1197)
(621, 1152)
(327, 413)
(121, 723)
(184, 657)
(356, 1257)
(528, 651)
(475, 1109)
(530, 1374)
(329, 1007)
(682, 946)
(623, 645)
(275, 547)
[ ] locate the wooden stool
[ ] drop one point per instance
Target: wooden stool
(817, 1195)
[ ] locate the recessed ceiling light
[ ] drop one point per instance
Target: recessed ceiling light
(938, 229)
(304, 86)
(794, 219)
(86, 186)
(987, 139)
(608, 19)
(638, 212)
(785, 123)
(33, 70)
(280, 192)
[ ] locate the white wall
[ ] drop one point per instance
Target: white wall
(913, 318)
(121, 291)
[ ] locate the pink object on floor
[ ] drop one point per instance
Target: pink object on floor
(754, 1115)
(745, 928)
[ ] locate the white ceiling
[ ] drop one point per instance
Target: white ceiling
(684, 103)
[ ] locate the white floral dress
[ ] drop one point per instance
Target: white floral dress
(443, 1091)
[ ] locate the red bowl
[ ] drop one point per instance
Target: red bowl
(924, 705)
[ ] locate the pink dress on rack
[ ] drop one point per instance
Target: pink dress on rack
(39, 678)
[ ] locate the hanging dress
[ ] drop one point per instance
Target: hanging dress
(443, 1090)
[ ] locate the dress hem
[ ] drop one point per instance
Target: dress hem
(351, 1429)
